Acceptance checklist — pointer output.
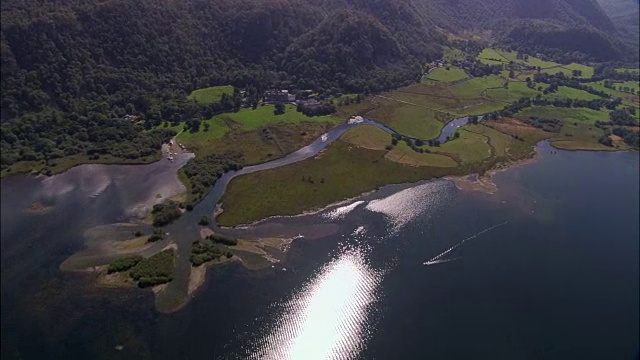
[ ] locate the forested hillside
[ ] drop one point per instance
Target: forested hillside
(625, 15)
(71, 69)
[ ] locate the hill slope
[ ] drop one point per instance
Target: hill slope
(70, 66)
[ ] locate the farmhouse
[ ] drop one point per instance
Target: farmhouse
(279, 96)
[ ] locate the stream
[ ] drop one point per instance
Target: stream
(314, 148)
(184, 231)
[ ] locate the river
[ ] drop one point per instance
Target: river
(547, 267)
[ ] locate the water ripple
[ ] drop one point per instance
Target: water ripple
(406, 205)
(327, 319)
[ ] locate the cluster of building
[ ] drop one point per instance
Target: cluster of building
(284, 96)
(273, 96)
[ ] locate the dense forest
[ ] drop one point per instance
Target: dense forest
(73, 70)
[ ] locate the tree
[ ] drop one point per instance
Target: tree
(156, 236)
(512, 74)
(280, 108)
(605, 140)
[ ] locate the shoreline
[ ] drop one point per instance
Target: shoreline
(484, 182)
(462, 182)
(315, 211)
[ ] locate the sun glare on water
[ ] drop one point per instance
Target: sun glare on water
(327, 319)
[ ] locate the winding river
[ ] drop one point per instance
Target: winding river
(184, 231)
(131, 190)
(318, 145)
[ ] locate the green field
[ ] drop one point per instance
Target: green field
(491, 57)
(445, 101)
(628, 70)
(504, 57)
(499, 142)
(627, 87)
(217, 130)
(557, 69)
(468, 148)
(403, 154)
(444, 75)
(568, 115)
(474, 87)
(240, 131)
(488, 55)
(565, 92)
(210, 94)
(515, 91)
(587, 71)
(252, 119)
(627, 99)
(368, 137)
(451, 54)
(339, 173)
(410, 120)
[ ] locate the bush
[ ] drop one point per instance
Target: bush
(157, 269)
(124, 264)
(156, 236)
(202, 252)
(223, 239)
(165, 213)
(605, 140)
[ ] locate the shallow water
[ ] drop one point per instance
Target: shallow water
(545, 268)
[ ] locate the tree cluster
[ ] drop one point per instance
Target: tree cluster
(165, 213)
(316, 110)
(204, 171)
(560, 79)
(223, 239)
(202, 252)
(548, 125)
(154, 270)
(124, 264)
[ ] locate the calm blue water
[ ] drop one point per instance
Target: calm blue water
(548, 270)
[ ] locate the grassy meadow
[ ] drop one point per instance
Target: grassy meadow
(211, 94)
(340, 172)
(445, 74)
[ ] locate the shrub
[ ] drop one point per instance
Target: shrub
(157, 269)
(124, 264)
(156, 236)
(223, 239)
(165, 213)
(203, 252)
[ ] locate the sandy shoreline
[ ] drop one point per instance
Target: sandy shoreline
(484, 183)
(198, 274)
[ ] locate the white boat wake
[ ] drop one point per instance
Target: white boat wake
(440, 261)
(437, 259)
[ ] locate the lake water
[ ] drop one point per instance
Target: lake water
(546, 268)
